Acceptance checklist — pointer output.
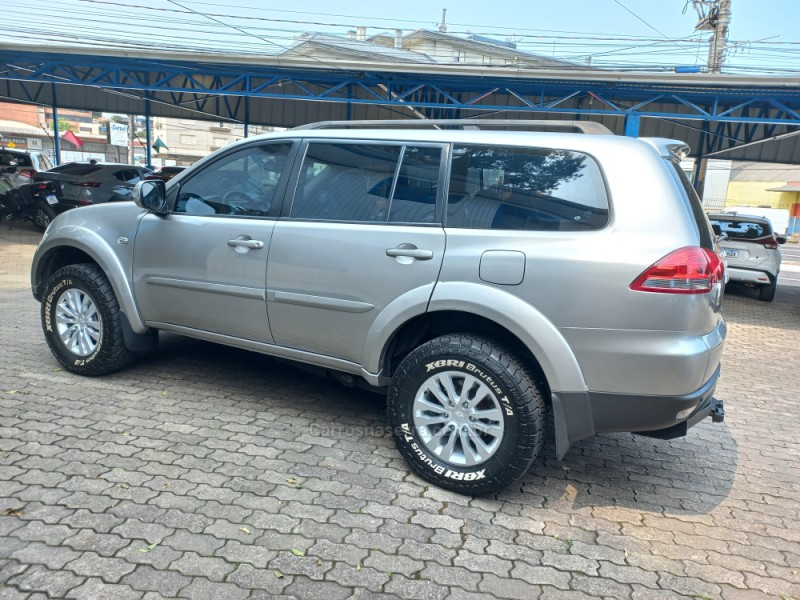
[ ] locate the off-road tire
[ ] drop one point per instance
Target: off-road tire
(519, 394)
(110, 354)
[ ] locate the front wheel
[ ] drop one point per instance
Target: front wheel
(466, 414)
(82, 321)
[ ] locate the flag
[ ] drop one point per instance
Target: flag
(72, 139)
(159, 145)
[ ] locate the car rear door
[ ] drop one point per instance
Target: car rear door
(363, 229)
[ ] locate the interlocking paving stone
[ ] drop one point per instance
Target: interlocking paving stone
(190, 446)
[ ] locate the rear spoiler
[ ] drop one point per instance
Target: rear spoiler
(675, 150)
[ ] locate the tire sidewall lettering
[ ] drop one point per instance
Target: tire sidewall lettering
(410, 438)
(48, 313)
(473, 369)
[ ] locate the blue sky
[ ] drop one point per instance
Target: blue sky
(623, 32)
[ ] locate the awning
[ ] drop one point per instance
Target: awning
(785, 188)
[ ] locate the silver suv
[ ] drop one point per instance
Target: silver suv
(751, 250)
(478, 277)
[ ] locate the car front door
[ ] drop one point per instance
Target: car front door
(203, 266)
(362, 231)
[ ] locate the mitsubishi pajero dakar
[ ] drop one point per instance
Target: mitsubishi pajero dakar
(477, 273)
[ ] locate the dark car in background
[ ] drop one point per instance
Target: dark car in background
(83, 184)
(165, 173)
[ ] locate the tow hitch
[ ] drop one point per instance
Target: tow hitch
(717, 410)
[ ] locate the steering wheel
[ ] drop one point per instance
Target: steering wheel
(238, 201)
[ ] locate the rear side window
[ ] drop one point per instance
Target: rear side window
(368, 183)
(743, 229)
(533, 189)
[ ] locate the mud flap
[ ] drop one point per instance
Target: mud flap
(572, 420)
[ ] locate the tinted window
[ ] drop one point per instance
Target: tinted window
(743, 229)
(525, 188)
(241, 183)
(375, 183)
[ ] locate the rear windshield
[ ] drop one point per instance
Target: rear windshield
(12, 159)
(743, 229)
(76, 169)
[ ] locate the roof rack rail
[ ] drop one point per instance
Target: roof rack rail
(589, 127)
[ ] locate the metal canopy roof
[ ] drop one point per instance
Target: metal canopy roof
(729, 115)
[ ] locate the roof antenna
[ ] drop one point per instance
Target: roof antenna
(443, 24)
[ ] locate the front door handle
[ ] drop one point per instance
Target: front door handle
(409, 251)
(240, 243)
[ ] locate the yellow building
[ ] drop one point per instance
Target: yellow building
(763, 184)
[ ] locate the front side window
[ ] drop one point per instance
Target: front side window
(242, 183)
(368, 183)
(534, 189)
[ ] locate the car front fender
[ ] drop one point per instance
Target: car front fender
(105, 234)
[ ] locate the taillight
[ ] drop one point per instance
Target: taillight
(768, 242)
(29, 173)
(690, 270)
(88, 184)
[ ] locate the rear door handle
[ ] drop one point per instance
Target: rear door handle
(410, 251)
(240, 243)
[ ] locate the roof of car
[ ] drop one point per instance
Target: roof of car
(735, 216)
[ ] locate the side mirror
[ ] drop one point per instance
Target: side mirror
(781, 239)
(151, 195)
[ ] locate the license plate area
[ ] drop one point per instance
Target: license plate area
(731, 253)
(51, 199)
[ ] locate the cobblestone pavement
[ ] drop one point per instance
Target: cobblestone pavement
(206, 472)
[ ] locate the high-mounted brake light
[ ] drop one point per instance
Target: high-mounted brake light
(690, 270)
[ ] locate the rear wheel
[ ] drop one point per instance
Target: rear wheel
(82, 321)
(766, 293)
(41, 216)
(466, 414)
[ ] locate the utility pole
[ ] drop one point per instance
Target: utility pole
(131, 138)
(718, 21)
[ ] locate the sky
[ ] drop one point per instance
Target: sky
(642, 34)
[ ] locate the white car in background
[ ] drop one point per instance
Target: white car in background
(751, 249)
(21, 166)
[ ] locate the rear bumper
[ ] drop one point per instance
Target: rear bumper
(754, 276)
(581, 415)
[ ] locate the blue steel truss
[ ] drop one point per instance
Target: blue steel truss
(727, 115)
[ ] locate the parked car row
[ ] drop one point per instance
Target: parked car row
(76, 183)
